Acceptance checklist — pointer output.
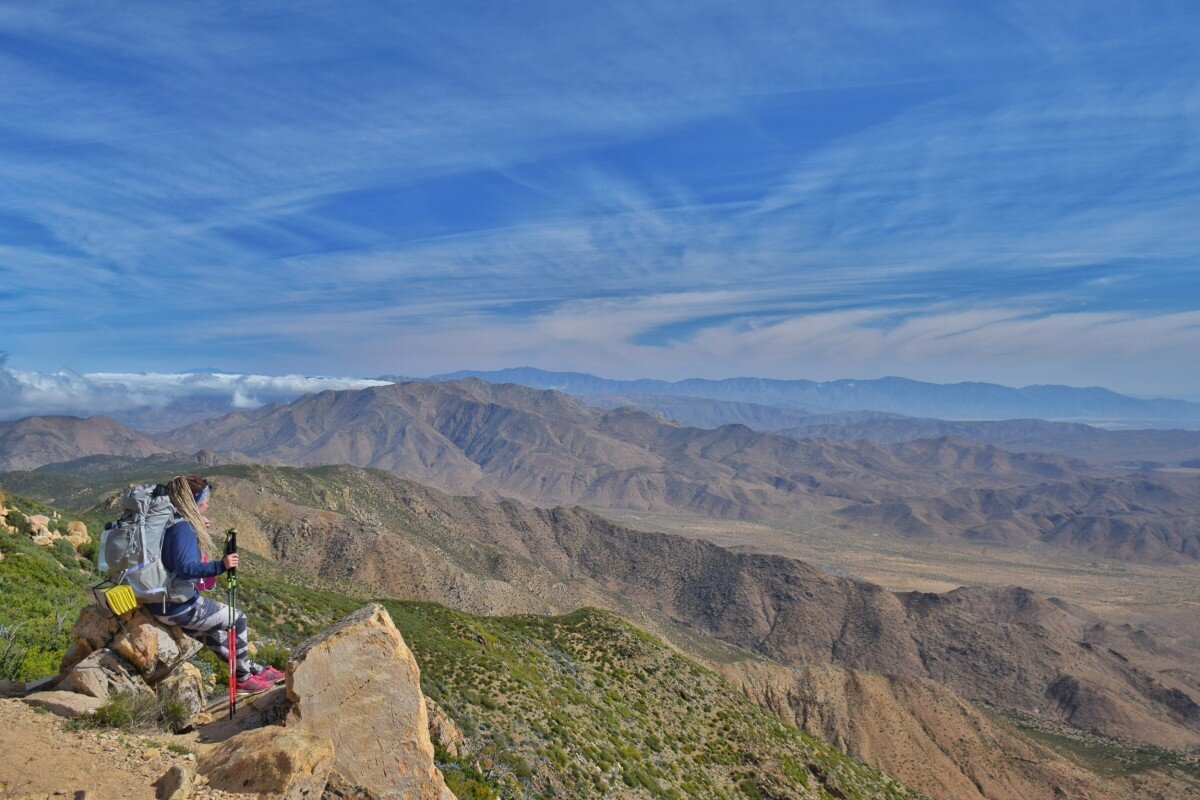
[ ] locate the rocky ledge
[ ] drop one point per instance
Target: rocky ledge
(350, 721)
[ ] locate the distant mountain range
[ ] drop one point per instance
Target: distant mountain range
(956, 401)
(1135, 448)
(542, 445)
(1142, 448)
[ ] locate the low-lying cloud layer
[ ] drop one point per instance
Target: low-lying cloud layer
(24, 393)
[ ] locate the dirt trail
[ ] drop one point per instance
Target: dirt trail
(37, 756)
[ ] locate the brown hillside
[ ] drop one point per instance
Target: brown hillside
(1144, 516)
(32, 442)
(503, 439)
(931, 738)
(1007, 647)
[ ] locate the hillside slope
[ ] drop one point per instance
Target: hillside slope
(1010, 648)
(370, 530)
(31, 442)
(583, 705)
(1103, 517)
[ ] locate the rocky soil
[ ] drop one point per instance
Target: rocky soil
(41, 757)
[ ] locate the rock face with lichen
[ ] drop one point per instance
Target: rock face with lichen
(359, 685)
(444, 731)
(356, 726)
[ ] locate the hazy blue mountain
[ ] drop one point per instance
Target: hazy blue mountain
(956, 401)
(1141, 448)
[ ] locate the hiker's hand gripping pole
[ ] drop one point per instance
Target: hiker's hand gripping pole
(231, 578)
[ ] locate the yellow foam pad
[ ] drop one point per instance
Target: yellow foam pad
(120, 599)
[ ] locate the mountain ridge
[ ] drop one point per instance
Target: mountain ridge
(969, 399)
(32, 442)
(549, 447)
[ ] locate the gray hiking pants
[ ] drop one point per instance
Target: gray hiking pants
(208, 621)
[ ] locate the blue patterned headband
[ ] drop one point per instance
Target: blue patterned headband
(203, 494)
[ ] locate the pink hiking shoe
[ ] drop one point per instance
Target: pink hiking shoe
(271, 674)
(254, 683)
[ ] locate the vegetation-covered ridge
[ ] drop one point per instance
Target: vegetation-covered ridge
(585, 705)
(582, 705)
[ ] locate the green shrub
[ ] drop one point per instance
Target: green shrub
(272, 654)
(20, 522)
(138, 711)
(89, 550)
(64, 552)
(127, 710)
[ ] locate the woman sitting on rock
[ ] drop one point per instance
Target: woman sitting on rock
(184, 542)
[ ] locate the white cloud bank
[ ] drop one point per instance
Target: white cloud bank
(24, 393)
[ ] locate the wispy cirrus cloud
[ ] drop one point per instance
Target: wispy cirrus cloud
(689, 188)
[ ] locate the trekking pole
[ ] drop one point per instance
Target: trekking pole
(231, 547)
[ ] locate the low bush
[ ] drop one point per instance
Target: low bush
(272, 654)
(137, 711)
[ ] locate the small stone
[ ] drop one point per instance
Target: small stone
(177, 783)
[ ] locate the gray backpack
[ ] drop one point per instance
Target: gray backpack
(131, 547)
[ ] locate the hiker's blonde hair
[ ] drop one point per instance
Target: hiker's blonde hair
(183, 490)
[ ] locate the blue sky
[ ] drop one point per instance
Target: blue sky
(947, 191)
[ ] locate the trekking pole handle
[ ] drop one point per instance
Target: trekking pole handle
(230, 548)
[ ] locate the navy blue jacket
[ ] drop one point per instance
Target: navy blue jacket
(181, 556)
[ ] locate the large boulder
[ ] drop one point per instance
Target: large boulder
(77, 534)
(93, 629)
(39, 525)
(287, 762)
(44, 538)
(110, 654)
(359, 685)
(152, 648)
